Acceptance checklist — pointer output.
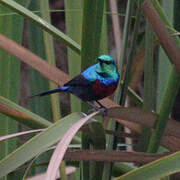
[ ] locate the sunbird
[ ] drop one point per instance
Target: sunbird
(96, 82)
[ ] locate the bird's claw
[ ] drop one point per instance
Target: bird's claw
(102, 109)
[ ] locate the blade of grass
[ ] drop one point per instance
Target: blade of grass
(22, 115)
(131, 55)
(126, 28)
(3, 138)
(37, 83)
(122, 168)
(62, 146)
(91, 31)
(73, 29)
(116, 29)
(42, 23)
(49, 50)
(165, 110)
(164, 64)
(91, 37)
(104, 32)
(97, 136)
(37, 144)
(149, 88)
(156, 169)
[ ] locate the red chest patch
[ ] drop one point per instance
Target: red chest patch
(102, 90)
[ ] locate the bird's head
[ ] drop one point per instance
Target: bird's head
(105, 59)
(106, 63)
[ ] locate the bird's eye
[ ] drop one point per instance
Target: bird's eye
(103, 61)
(107, 62)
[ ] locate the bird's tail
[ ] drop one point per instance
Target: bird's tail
(47, 92)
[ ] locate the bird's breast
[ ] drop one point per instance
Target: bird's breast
(101, 90)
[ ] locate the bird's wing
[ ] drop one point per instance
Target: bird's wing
(78, 81)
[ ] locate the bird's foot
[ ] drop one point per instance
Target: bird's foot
(102, 109)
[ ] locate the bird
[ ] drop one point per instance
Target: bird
(95, 83)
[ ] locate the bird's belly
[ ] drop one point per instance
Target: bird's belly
(101, 90)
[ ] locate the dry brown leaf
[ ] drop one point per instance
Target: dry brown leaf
(62, 146)
(165, 38)
(111, 156)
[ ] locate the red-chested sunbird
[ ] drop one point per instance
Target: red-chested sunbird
(97, 82)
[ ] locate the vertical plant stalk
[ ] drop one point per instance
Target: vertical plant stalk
(131, 56)
(148, 83)
(104, 33)
(124, 45)
(130, 62)
(49, 50)
(40, 106)
(164, 65)
(116, 29)
(165, 110)
(73, 30)
(118, 93)
(91, 31)
(127, 77)
(91, 37)
(98, 140)
(112, 141)
(50, 56)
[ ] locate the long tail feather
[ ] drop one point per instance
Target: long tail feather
(47, 92)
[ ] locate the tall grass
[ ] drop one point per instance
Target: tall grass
(88, 34)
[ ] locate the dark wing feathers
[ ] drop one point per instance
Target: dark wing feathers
(78, 81)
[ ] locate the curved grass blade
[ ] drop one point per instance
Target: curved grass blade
(22, 115)
(62, 146)
(42, 23)
(38, 144)
(3, 138)
(156, 169)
